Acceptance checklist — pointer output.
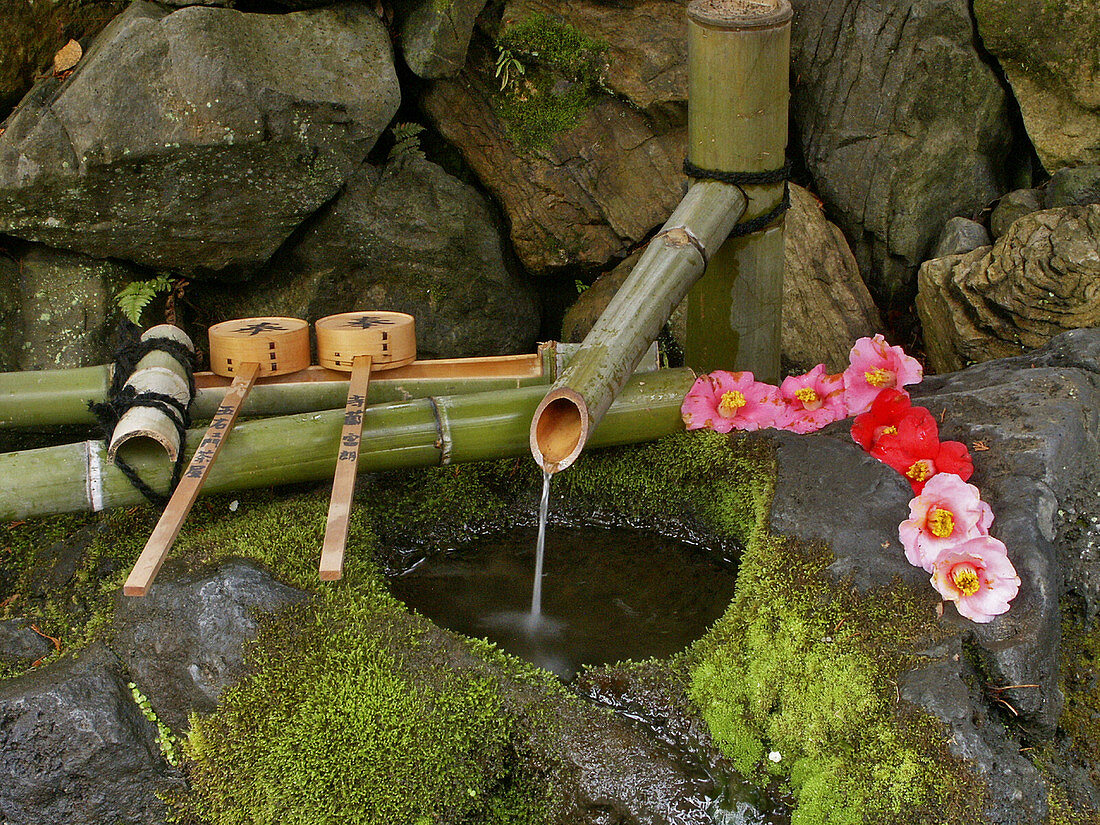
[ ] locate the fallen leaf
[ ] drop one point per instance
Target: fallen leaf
(979, 446)
(67, 57)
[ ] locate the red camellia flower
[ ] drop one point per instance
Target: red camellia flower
(916, 451)
(887, 411)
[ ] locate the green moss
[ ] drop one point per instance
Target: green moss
(807, 670)
(563, 75)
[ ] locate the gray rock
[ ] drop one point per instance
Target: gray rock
(434, 36)
(959, 236)
(60, 309)
(184, 642)
(1039, 474)
(195, 141)
(75, 748)
(20, 645)
(1073, 186)
(1014, 205)
(901, 122)
(407, 237)
(1039, 44)
(1040, 279)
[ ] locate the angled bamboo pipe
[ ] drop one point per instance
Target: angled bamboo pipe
(739, 51)
(672, 262)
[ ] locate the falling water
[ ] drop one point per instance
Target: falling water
(540, 547)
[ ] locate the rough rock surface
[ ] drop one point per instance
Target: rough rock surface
(646, 40)
(825, 304)
(196, 140)
(590, 196)
(959, 236)
(410, 238)
(19, 645)
(59, 309)
(1041, 278)
(1040, 475)
(434, 36)
(1047, 49)
(1073, 186)
(183, 644)
(1013, 205)
(75, 748)
(901, 125)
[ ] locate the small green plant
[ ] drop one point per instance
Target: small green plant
(136, 295)
(406, 141)
(168, 741)
(509, 70)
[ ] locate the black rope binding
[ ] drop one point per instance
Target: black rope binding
(741, 179)
(120, 398)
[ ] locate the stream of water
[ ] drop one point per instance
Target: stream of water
(540, 550)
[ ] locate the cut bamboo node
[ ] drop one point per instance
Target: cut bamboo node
(279, 345)
(389, 338)
(740, 14)
(559, 429)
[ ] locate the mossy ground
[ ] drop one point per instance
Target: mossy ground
(563, 70)
(354, 712)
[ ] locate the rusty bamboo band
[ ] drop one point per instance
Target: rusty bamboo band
(742, 179)
(121, 397)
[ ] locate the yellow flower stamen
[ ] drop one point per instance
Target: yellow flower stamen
(889, 430)
(919, 471)
(966, 579)
(941, 522)
(878, 377)
(731, 402)
(806, 395)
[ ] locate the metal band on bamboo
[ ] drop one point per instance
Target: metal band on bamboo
(357, 342)
(245, 349)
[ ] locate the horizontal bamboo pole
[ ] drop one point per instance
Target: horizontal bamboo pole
(672, 262)
(52, 398)
(289, 449)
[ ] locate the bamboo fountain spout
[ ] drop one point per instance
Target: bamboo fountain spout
(737, 126)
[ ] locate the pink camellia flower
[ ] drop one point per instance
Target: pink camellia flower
(724, 401)
(947, 512)
(875, 366)
(811, 401)
(978, 577)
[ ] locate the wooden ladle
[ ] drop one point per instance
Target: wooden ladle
(245, 349)
(356, 342)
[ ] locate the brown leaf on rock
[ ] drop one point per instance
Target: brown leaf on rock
(67, 57)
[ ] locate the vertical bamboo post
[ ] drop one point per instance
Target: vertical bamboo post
(738, 91)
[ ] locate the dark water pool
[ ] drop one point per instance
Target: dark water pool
(608, 594)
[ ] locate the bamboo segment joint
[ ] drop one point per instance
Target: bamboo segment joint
(680, 236)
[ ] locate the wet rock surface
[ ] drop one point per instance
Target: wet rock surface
(1042, 277)
(434, 36)
(213, 134)
(1038, 470)
(75, 747)
(183, 643)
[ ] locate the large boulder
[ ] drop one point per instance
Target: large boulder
(184, 643)
(580, 196)
(75, 747)
(901, 122)
(406, 237)
(1047, 49)
(1041, 278)
(196, 140)
(434, 36)
(826, 306)
(58, 309)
